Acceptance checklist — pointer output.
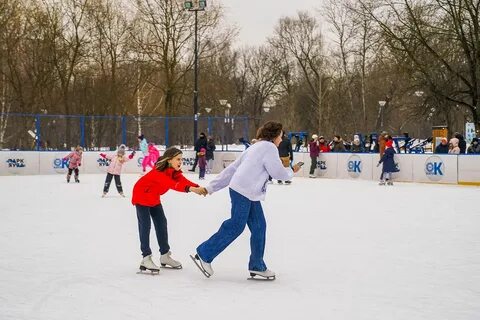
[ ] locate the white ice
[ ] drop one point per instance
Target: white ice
(341, 250)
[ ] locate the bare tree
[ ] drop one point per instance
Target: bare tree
(301, 38)
(440, 39)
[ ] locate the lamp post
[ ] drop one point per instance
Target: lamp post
(224, 103)
(208, 121)
(381, 111)
(195, 6)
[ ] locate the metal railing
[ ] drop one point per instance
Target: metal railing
(22, 131)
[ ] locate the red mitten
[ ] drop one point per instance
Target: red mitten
(103, 155)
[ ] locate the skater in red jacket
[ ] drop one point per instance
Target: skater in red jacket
(146, 197)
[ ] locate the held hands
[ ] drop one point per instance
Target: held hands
(296, 168)
(201, 191)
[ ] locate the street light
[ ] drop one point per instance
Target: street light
(209, 125)
(224, 103)
(382, 104)
(195, 6)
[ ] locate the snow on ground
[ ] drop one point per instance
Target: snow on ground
(341, 249)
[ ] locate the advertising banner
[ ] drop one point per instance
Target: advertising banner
(53, 163)
(435, 168)
(19, 163)
(469, 169)
(326, 165)
(354, 166)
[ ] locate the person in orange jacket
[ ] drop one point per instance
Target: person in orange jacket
(166, 175)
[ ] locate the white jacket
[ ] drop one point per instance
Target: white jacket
(248, 175)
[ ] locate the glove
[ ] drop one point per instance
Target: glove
(79, 164)
(131, 155)
(103, 155)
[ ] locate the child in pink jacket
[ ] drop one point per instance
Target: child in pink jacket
(115, 169)
(151, 158)
(75, 158)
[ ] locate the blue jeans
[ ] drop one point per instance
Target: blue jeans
(244, 212)
(144, 224)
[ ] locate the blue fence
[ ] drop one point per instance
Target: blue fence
(61, 132)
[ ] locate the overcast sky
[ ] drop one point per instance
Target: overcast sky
(257, 18)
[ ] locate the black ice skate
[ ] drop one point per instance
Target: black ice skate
(68, 178)
(389, 183)
(76, 179)
(267, 275)
(202, 266)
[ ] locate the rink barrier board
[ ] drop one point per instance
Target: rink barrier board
(470, 170)
(425, 168)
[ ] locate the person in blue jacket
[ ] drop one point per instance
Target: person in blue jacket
(389, 165)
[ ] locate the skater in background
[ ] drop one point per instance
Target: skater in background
(166, 175)
(298, 144)
(247, 181)
(314, 152)
(210, 154)
(75, 161)
(199, 144)
(389, 166)
(286, 154)
(151, 158)
(202, 163)
(443, 147)
(115, 169)
(143, 146)
(454, 149)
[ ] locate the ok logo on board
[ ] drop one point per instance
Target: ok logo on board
(354, 166)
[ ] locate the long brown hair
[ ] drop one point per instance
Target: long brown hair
(170, 153)
(269, 131)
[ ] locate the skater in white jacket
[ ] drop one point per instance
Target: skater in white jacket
(247, 178)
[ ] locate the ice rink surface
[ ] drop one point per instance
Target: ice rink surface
(341, 249)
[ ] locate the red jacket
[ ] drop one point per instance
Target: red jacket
(150, 187)
(324, 147)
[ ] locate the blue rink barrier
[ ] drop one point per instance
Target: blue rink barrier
(51, 132)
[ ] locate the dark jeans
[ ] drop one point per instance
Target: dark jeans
(70, 171)
(244, 212)
(313, 166)
(195, 162)
(144, 224)
(202, 173)
(108, 180)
